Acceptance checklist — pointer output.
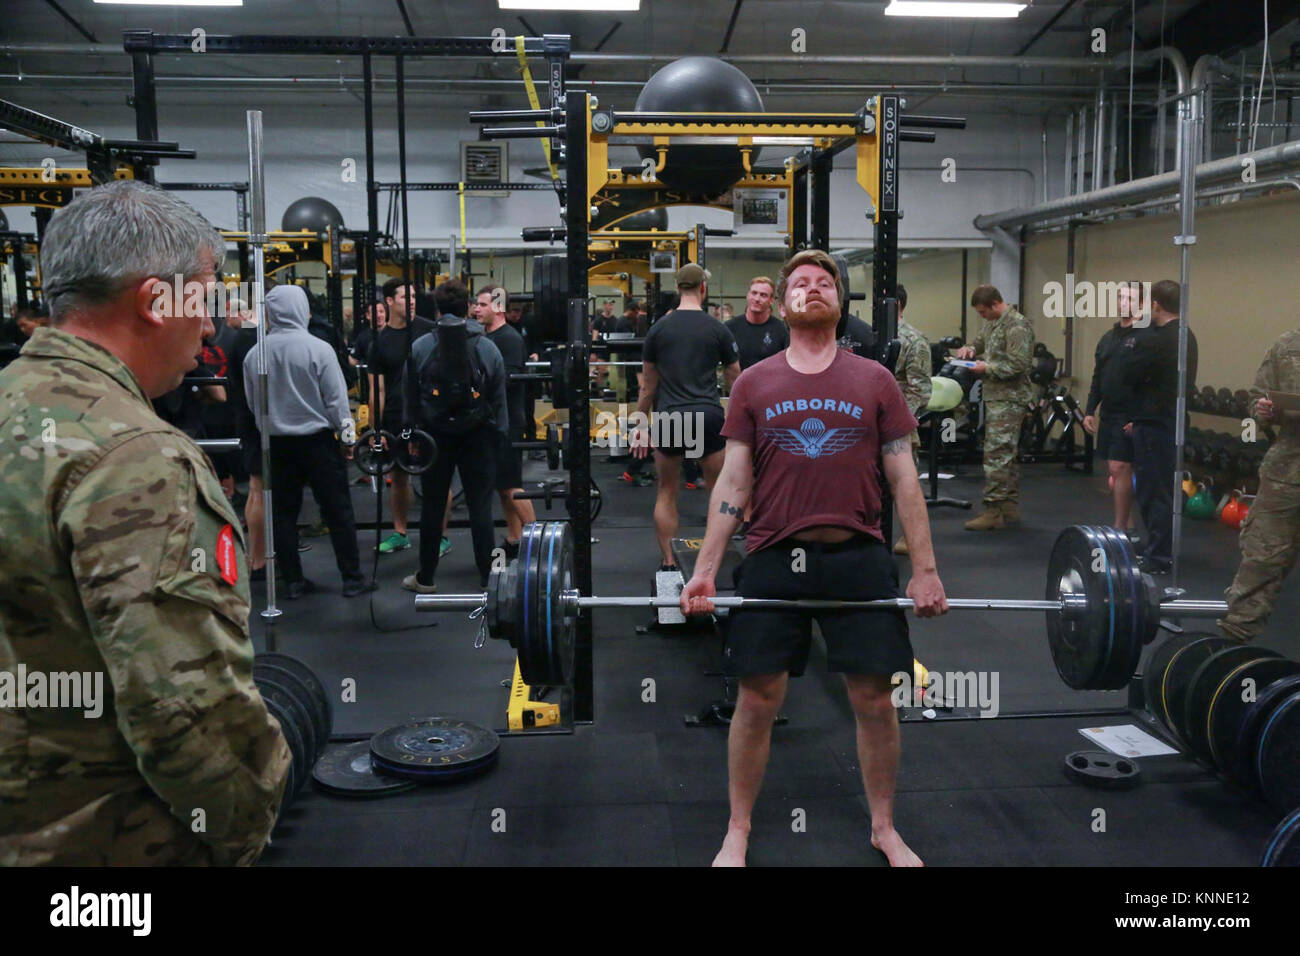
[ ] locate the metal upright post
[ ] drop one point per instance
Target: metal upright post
(1190, 114)
(256, 241)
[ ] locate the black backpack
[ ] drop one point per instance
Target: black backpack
(453, 382)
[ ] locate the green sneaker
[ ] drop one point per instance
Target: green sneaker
(444, 548)
(394, 542)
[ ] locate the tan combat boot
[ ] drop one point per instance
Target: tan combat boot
(989, 520)
(1010, 512)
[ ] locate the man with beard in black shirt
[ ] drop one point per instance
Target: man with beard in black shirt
(389, 351)
(758, 333)
(489, 310)
(1152, 373)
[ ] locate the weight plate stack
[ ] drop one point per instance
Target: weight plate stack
(321, 705)
(1234, 695)
(434, 750)
(1201, 688)
(1283, 846)
(1081, 648)
(347, 770)
(1178, 677)
(1277, 756)
(1242, 760)
(1153, 676)
(1131, 613)
(280, 707)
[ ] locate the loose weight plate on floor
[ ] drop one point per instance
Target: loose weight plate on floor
(323, 708)
(1102, 770)
(1234, 695)
(347, 770)
(1201, 689)
(435, 748)
(1252, 722)
(1178, 677)
(1154, 675)
(1277, 757)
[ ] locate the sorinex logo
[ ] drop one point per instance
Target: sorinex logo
(667, 429)
(77, 909)
(21, 689)
(1097, 300)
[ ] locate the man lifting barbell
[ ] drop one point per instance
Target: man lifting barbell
(805, 431)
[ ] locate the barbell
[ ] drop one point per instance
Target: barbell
(1101, 609)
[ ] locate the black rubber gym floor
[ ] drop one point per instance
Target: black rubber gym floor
(639, 788)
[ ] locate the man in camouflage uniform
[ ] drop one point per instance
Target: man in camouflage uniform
(1270, 535)
(125, 563)
(912, 371)
(1004, 347)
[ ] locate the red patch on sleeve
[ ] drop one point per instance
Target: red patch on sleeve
(227, 560)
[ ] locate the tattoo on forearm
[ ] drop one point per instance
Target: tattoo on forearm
(727, 509)
(899, 446)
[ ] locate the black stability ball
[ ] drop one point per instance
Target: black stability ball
(699, 84)
(311, 212)
(643, 221)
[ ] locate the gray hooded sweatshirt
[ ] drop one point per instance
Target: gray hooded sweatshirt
(306, 387)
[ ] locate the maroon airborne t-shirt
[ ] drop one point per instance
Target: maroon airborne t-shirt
(816, 443)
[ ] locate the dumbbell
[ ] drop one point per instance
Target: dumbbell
(1242, 398)
(556, 457)
(1227, 403)
(1193, 399)
(1209, 399)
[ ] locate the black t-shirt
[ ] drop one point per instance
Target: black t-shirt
(388, 358)
(687, 346)
(183, 406)
(858, 337)
(757, 342)
(218, 417)
(245, 341)
(511, 346)
(1154, 370)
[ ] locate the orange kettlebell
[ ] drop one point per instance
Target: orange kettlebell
(1231, 513)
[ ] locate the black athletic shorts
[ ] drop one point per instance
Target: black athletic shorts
(857, 642)
(1112, 443)
(250, 448)
(510, 464)
(694, 431)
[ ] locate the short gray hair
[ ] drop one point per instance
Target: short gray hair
(120, 233)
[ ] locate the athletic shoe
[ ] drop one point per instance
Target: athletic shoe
(353, 588)
(394, 542)
(296, 589)
(412, 583)
(444, 548)
(646, 479)
(628, 478)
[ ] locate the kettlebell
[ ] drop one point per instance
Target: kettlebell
(1231, 513)
(1201, 504)
(1244, 509)
(1189, 486)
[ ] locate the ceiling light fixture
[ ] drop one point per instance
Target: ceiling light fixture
(176, 3)
(953, 8)
(587, 6)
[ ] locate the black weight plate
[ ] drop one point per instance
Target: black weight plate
(1252, 721)
(1228, 706)
(324, 708)
(1130, 612)
(534, 661)
(347, 770)
(1178, 676)
(1153, 675)
(559, 628)
(1283, 846)
(1081, 646)
(415, 775)
(277, 702)
(300, 711)
(290, 682)
(1102, 770)
(1204, 682)
(552, 448)
(372, 460)
(1277, 757)
(434, 747)
(426, 452)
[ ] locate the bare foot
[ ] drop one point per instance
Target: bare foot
(733, 848)
(896, 851)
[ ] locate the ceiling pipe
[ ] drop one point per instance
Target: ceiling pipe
(1284, 157)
